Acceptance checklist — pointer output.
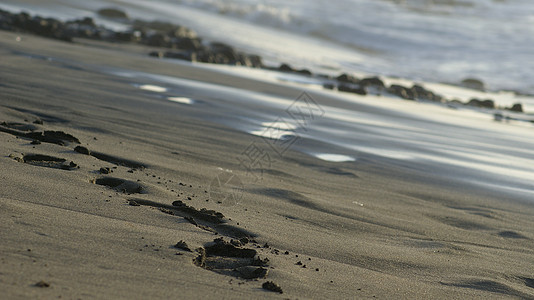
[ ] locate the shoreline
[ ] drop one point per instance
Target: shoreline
(409, 238)
(183, 43)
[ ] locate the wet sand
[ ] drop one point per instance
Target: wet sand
(123, 216)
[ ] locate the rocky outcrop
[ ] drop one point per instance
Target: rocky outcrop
(401, 91)
(352, 89)
(184, 42)
(346, 78)
(488, 103)
(517, 107)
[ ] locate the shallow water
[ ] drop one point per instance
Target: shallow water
(461, 145)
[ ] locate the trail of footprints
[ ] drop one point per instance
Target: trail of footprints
(234, 253)
(233, 257)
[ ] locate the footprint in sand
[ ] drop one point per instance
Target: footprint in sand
(230, 258)
(45, 161)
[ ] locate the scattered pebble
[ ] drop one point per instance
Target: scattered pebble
(104, 171)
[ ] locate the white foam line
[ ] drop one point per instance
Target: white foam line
(182, 100)
(153, 88)
(334, 157)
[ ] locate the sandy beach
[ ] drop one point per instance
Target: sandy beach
(133, 212)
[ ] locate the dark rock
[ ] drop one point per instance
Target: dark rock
(113, 13)
(21, 19)
(178, 203)
(105, 170)
(271, 286)
(84, 28)
(285, 68)
(243, 60)
(288, 69)
(488, 103)
(158, 39)
(305, 72)
(474, 102)
(156, 34)
(401, 91)
(328, 86)
(256, 61)
(517, 107)
(36, 142)
(157, 54)
(351, 89)
(6, 20)
(226, 54)
(420, 92)
(185, 43)
(206, 56)
(347, 79)
(372, 81)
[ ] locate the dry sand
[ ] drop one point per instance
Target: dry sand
(414, 236)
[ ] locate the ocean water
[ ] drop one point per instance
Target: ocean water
(432, 40)
(428, 40)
